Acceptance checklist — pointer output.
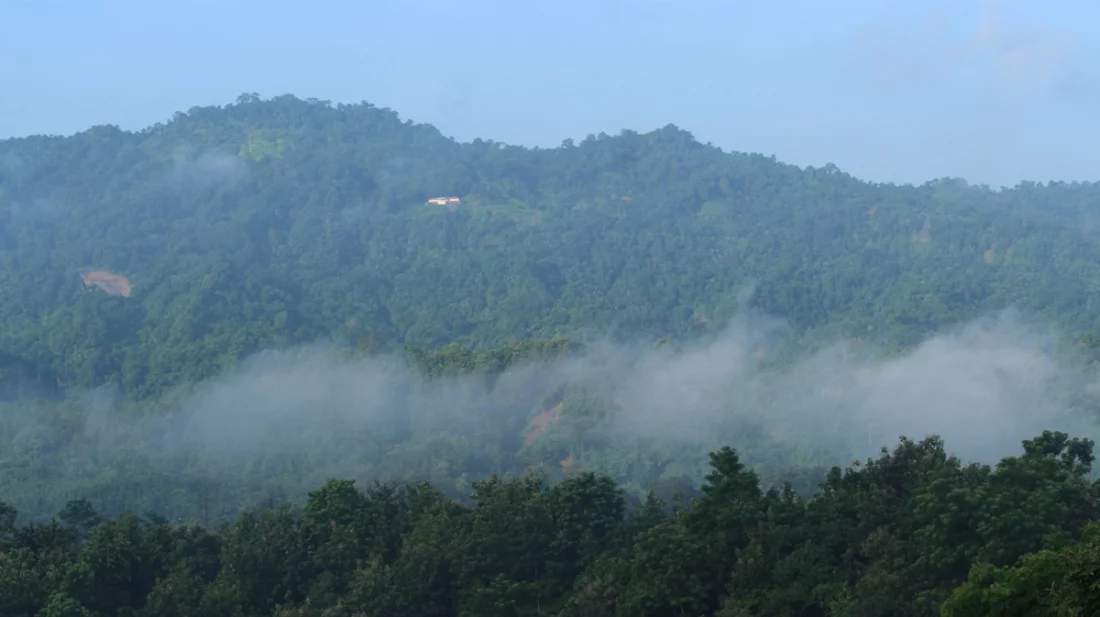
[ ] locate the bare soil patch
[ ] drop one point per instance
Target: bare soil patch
(113, 284)
(541, 422)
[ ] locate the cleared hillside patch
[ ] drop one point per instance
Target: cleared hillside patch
(114, 284)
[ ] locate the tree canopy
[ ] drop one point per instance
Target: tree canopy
(273, 222)
(906, 533)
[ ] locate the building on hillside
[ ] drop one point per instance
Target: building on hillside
(444, 201)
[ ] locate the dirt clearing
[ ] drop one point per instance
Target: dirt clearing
(111, 283)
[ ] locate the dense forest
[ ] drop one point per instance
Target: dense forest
(896, 536)
(268, 223)
(203, 322)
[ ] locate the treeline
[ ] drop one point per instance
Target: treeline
(267, 223)
(913, 532)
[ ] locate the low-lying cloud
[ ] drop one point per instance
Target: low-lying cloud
(285, 420)
(203, 169)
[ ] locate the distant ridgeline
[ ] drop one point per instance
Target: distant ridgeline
(268, 223)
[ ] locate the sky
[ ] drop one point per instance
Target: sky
(994, 92)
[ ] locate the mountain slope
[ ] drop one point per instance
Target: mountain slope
(275, 222)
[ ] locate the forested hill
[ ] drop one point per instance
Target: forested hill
(533, 471)
(159, 257)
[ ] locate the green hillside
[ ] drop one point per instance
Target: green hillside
(276, 222)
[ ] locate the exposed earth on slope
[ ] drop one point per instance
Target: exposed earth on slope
(541, 422)
(111, 283)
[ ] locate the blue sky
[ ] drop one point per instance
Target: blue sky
(895, 91)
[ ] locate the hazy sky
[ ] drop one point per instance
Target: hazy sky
(894, 91)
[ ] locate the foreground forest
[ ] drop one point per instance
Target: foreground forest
(203, 322)
(897, 536)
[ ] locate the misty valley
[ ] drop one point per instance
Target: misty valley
(287, 358)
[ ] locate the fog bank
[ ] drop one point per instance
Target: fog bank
(285, 420)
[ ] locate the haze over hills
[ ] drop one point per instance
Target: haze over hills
(215, 315)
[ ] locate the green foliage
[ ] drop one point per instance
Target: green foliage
(903, 534)
(271, 222)
(1059, 580)
(266, 224)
